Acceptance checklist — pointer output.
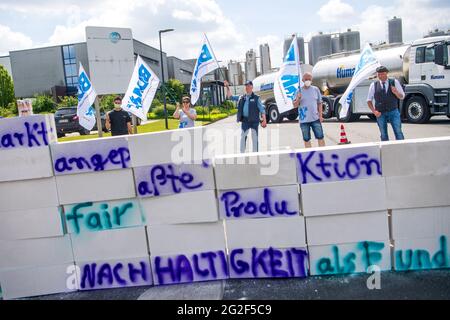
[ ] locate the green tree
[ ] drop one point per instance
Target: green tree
(68, 101)
(6, 88)
(107, 102)
(43, 104)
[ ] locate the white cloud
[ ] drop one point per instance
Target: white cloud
(12, 40)
(335, 10)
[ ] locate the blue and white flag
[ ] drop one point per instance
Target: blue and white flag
(86, 98)
(288, 80)
(366, 67)
(206, 63)
(141, 90)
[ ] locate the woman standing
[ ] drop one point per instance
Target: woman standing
(186, 114)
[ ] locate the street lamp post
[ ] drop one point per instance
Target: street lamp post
(162, 75)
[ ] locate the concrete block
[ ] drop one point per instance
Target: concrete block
(266, 233)
(418, 191)
(35, 252)
(190, 267)
(22, 164)
(192, 207)
(416, 157)
(349, 258)
(36, 281)
(282, 201)
(422, 254)
(266, 169)
(347, 228)
(32, 223)
(117, 273)
(268, 263)
(420, 223)
(110, 245)
(330, 198)
(339, 163)
(28, 194)
(106, 215)
(175, 146)
(186, 238)
(97, 186)
(27, 132)
(168, 179)
(91, 155)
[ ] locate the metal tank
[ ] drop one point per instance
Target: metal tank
(319, 46)
(335, 44)
(349, 41)
(301, 47)
(395, 30)
(334, 73)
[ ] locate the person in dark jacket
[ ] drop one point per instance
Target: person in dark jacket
(386, 93)
(250, 112)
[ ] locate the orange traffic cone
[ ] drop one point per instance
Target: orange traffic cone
(344, 139)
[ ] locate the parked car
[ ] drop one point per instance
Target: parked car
(66, 121)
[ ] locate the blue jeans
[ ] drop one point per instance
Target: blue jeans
(316, 127)
(246, 127)
(394, 118)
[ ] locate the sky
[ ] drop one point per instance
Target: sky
(232, 26)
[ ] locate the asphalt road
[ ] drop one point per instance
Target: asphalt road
(411, 285)
(287, 135)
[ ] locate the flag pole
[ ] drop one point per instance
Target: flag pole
(215, 58)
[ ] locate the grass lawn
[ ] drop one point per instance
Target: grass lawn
(156, 126)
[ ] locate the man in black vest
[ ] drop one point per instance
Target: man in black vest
(387, 94)
(250, 110)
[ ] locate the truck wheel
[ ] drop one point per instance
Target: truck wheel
(327, 110)
(274, 114)
(292, 116)
(417, 110)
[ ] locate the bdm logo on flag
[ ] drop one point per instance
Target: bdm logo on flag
(367, 66)
(206, 63)
(86, 98)
(141, 90)
(288, 79)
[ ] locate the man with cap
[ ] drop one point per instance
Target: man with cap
(250, 111)
(387, 94)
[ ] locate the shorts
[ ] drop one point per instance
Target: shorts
(316, 127)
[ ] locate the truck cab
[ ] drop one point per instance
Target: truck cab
(428, 75)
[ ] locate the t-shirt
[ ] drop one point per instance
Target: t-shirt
(308, 110)
(119, 122)
(185, 121)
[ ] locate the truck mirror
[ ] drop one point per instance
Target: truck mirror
(439, 55)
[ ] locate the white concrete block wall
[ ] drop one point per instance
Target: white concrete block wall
(349, 257)
(267, 202)
(35, 252)
(337, 163)
(175, 146)
(94, 155)
(96, 186)
(111, 244)
(347, 228)
(418, 191)
(185, 208)
(32, 223)
(188, 238)
(23, 164)
(265, 233)
(344, 197)
(36, 281)
(416, 157)
(28, 194)
(255, 170)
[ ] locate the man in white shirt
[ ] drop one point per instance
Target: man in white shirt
(386, 94)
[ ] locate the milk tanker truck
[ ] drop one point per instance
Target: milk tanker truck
(423, 68)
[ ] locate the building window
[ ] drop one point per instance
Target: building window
(70, 66)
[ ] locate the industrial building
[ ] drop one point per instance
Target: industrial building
(235, 73)
(251, 71)
(395, 30)
(264, 53)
